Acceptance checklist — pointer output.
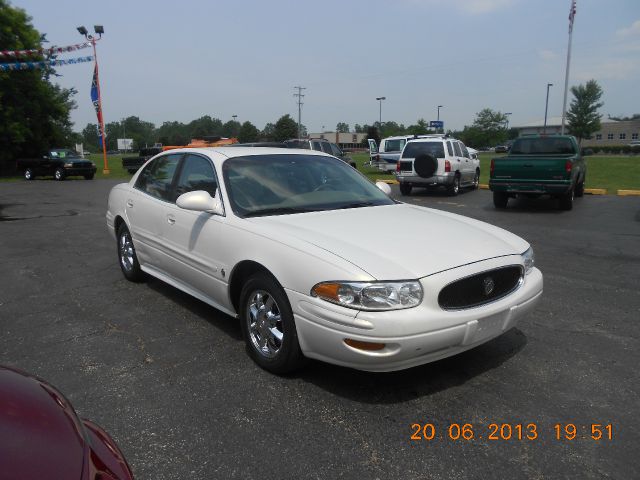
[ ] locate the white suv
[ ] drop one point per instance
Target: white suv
(437, 160)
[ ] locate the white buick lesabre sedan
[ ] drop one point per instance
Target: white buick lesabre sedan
(318, 262)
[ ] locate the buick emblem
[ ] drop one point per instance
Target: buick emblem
(488, 285)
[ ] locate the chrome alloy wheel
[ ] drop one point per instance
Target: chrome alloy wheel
(127, 252)
(265, 323)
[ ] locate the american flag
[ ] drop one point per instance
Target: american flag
(96, 102)
(572, 14)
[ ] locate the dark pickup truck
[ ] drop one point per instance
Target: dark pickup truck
(539, 165)
(132, 164)
(59, 163)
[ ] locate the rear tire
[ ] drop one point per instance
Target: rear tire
(500, 199)
(127, 257)
(476, 179)
(454, 188)
(566, 201)
(268, 326)
(405, 189)
(580, 189)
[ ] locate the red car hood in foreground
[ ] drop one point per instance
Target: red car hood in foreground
(42, 437)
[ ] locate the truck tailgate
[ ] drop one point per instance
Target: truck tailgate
(525, 167)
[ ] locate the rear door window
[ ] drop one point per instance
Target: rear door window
(316, 145)
(157, 178)
(326, 148)
(450, 149)
(456, 148)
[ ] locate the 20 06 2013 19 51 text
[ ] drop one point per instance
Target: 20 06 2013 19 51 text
(511, 431)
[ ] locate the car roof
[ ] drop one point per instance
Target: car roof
(233, 151)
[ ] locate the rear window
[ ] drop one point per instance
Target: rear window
(297, 144)
(394, 145)
(413, 149)
(549, 145)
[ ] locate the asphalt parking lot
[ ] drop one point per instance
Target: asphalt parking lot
(168, 378)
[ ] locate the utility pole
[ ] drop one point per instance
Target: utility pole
(300, 96)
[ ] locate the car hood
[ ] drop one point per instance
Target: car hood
(397, 241)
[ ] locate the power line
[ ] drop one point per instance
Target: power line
(300, 96)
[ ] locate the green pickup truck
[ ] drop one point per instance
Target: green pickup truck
(539, 165)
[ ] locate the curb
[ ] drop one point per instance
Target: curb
(386, 180)
(628, 193)
(595, 191)
(484, 186)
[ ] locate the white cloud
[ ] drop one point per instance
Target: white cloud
(614, 69)
(547, 55)
(634, 29)
(472, 7)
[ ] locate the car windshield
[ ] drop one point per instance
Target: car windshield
(394, 145)
(413, 149)
(63, 153)
(548, 145)
(261, 185)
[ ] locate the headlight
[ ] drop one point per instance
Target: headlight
(68, 165)
(528, 260)
(371, 295)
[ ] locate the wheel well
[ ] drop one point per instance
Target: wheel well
(241, 272)
(116, 223)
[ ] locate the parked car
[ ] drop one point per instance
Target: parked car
(501, 148)
(635, 144)
(296, 246)
(41, 435)
(540, 165)
(320, 145)
(388, 154)
(434, 161)
(59, 163)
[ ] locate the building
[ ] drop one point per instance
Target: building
(612, 132)
(349, 140)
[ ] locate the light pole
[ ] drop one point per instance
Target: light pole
(546, 107)
(380, 99)
(439, 107)
(97, 101)
(124, 135)
(506, 115)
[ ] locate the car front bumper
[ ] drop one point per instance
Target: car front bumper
(413, 336)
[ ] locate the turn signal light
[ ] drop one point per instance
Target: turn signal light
(369, 346)
(567, 166)
(447, 166)
(492, 168)
(398, 166)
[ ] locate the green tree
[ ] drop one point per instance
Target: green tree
(583, 118)
(488, 128)
(204, 127)
(420, 128)
(248, 133)
(34, 113)
(231, 129)
(285, 128)
(268, 132)
(342, 127)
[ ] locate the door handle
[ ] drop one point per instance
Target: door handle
(130, 203)
(171, 219)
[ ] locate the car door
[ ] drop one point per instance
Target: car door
(144, 208)
(458, 160)
(193, 239)
(467, 164)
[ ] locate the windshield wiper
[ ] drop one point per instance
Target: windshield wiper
(356, 205)
(276, 211)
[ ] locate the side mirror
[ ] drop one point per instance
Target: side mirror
(201, 201)
(384, 187)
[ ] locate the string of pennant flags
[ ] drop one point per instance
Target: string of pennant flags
(16, 54)
(9, 67)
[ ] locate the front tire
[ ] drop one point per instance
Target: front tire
(127, 257)
(268, 326)
(476, 180)
(405, 189)
(500, 199)
(28, 174)
(59, 174)
(89, 176)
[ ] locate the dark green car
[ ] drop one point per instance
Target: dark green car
(539, 165)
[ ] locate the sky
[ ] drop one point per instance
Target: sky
(177, 61)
